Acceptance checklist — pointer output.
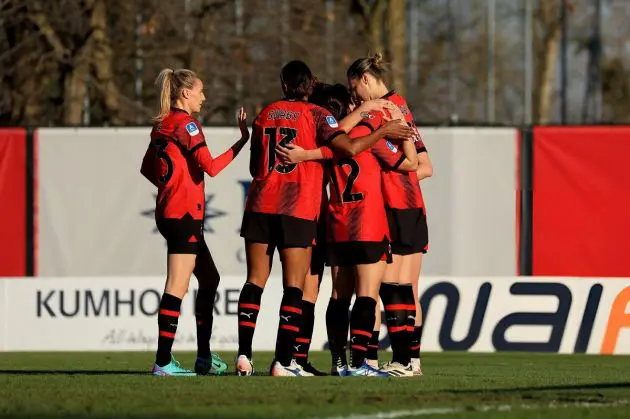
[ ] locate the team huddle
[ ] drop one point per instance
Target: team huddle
(358, 142)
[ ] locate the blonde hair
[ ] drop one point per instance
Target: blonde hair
(170, 84)
(373, 64)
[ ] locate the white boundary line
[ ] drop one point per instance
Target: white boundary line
(482, 408)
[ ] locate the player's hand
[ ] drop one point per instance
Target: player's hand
(292, 153)
(394, 130)
(241, 118)
(382, 105)
(394, 114)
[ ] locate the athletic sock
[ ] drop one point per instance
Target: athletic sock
(289, 325)
(248, 309)
(168, 317)
(361, 325)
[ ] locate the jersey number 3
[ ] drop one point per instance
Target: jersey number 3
(160, 144)
(288, 136)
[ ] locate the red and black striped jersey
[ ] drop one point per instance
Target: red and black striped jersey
(356, 210)
(402, 189)
(294, 189)
(175, 162)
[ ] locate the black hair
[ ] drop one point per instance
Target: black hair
(297, 80)
(334, 98)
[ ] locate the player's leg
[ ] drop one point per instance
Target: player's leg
(372, 353)
(368, 281)
(259, 257)
(337, 319)
(416, 323)
(295, 265)
(309, 298)
(180, 264)
(208, 278)
(394, 301)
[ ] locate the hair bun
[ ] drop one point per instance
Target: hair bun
(377, 59)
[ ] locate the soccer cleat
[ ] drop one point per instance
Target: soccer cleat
(416, 367)
(372, 363)
(212, 366)
(339, 371)
(365, 370)
(172, 369)
(310, 368)
(244, 366)
(396, 369)
(292, 370)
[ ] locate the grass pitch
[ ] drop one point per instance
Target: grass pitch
(455, 385)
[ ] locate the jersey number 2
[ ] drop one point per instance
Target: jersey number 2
(288, 136)
(347, 195)
(161, 145)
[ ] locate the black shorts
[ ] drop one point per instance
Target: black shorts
(281, 231)
(358, 253)
(183, 235)
(409, 230)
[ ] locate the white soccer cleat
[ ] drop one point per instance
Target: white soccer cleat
(416, 366)
(244, 366)
(396, 369)
(339, 370)
(372, 363)
(292, 370)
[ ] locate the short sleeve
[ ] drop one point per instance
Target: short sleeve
(420, 147)
(326, 126)
(388, 154)
(371, 120)
(190, 134)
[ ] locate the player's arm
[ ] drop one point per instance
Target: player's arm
(425, 167)
(148, 165)
(293, 153)
(391, 157)
(213, 166)
(410, 163)
(354, 117)
(346, 147)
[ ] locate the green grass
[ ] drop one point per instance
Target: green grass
(73, 385)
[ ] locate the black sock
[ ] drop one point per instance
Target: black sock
(289, 326)
(168, 316)
(248, 308)
(415, 342)
(394, 300)
(337, 323)
(372, 352)
(204, 315)
(303, 341)
(408, 298)
(361, 325)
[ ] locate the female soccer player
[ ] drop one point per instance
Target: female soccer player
(358, 233)
(408, 225)
(282, 209)
(175, 162)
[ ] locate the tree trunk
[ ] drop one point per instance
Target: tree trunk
(396, 36)
(102, 64)
(376, 26)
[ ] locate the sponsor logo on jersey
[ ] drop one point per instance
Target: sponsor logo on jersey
(192, 129)
(332, 121)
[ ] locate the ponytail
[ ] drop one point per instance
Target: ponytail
(169, 85)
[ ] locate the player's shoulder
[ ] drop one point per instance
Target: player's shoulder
(289, 110)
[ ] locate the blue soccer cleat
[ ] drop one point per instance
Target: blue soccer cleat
(365, 370)
(172, 369)
(212, 366)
